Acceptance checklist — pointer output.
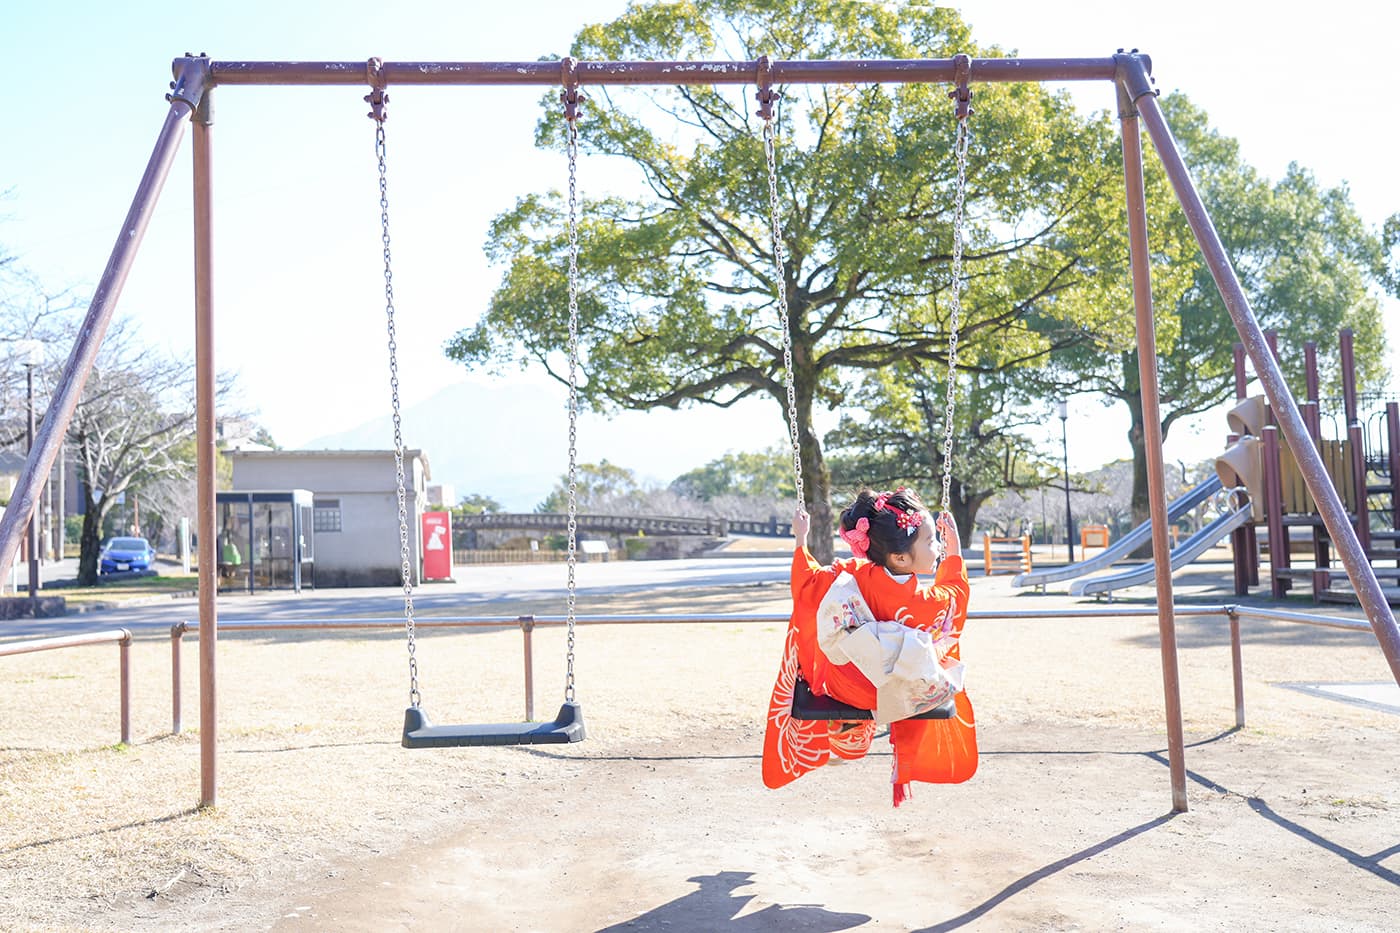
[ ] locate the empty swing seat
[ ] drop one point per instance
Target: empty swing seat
(806, 706)
(419, 732)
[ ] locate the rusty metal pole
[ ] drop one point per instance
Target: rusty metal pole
(177, 632)
(125, 664)
(1237, 666)
(1280, 561)
(205, 464)
(1133, 83)
(1329, 505)
(1392, 433)
(527, 628)
(32, 530)
(187, 87)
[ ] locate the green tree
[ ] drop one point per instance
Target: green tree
(475, 504)
(677, 304)
(767, 474)
(1305, 259)
(597, 485)
(897, 439)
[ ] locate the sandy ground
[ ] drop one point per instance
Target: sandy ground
(659, 820)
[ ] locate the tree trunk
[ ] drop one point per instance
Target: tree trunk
(89, 544)
(1137, 439)
(964, 508)
(816, 485)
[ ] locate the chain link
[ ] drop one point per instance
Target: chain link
(405, 566)
(780, 276)
(572, 601)
(955, 305)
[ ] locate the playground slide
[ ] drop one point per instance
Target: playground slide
(1187, 551)
(1122, 547)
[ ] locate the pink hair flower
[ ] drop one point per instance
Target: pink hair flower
(858, 537)
(909, 520)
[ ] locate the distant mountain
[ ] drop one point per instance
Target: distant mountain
(510, 440)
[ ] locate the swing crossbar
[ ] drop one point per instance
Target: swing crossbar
(419, 731)
(807, 706)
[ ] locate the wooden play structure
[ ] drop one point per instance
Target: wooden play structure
(1006, 555)
(1359, 447)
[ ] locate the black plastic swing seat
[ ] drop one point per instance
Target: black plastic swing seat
(806, 706)
(419, 732)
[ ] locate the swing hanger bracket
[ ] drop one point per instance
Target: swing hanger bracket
(766, 96)
(378, 97)
(191, 80)
(962, 90)
(571, 97)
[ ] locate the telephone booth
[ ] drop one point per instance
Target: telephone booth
(265, 540)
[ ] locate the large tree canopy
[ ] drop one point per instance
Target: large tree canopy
(678, 298)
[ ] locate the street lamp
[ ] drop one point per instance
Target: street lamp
(1064, 443)
(31, 353)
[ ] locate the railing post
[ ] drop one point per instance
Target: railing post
(125, 662)
(1237, 665)
(1356, 439)
(177, 632)
(527, 629)
(1280, 558)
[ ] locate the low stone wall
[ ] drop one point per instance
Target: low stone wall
(669, 547)
(42, 607)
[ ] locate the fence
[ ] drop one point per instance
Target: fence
(120, 635)
(526, 556)
(528, 623)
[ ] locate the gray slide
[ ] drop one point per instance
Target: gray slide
(1124, 546)
(1185, 552)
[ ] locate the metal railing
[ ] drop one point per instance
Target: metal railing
(528, 623)
(120, 635)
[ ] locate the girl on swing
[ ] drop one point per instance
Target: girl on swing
(870, 633)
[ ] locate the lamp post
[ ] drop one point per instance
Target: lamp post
(1064, 444)
(32, 353)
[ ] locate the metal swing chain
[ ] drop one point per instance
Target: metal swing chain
(570, 97)
(377, 99)
(964, 135)
(779, 273)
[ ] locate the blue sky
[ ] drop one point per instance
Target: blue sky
(298, 283)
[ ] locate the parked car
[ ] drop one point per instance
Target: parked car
(125, 554)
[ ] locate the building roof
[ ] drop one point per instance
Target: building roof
(329, 453)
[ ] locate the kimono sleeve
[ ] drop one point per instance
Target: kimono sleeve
(945, 600)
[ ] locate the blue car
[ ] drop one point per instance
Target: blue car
(120, 554)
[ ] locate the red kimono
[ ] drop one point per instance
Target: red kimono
(940, 751)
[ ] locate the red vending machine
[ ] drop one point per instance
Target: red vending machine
(437, 545)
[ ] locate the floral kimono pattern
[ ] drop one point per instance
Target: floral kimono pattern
(940, 751)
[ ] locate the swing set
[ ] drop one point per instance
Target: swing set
(190, 102)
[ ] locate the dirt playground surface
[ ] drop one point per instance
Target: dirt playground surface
(659, 820)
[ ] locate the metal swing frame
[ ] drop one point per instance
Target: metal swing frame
(189, 103)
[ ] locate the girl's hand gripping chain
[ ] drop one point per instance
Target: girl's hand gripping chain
(801, 524)
(948, 533)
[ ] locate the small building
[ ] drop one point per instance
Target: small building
(354, 507)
